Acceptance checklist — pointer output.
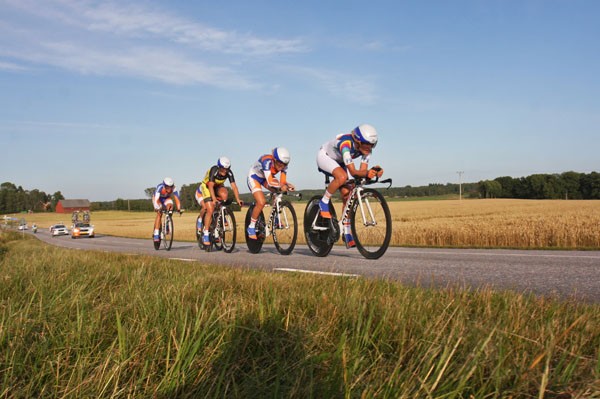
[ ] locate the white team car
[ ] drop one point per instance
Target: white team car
(59, 230)
(82, 230)
(22, 227)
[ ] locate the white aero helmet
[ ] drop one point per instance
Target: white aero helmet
(365, 134)
(223, 162)
(281, 154)
(168, 182)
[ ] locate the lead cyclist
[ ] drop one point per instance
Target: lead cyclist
(336, 158)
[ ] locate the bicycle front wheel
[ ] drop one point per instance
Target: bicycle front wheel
(371, 224)
(285, 228)
(227, 231)
(168, 233)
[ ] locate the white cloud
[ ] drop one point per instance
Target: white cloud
(125, 39)
(129, 20)
(351, 88)
(9, 66)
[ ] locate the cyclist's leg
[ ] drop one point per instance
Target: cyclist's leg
(259, 203)
(168, 203)
(330, 167)
(221, 192)
(209, 208)
(200, 200)
(158, 205)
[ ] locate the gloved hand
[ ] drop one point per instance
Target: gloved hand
(379, 170)
(371, 173)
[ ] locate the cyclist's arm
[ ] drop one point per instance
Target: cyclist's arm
(363, 171)
(285, 185)
(156, 201)
(272, 182)
(177, 201)
(211, 190)
(236, 193)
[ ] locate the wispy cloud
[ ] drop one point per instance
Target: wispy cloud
(128, 39)
(9, 66)
(352, 88)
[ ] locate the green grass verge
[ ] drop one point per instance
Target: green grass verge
(90, 324)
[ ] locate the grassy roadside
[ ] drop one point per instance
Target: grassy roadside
(88, 324)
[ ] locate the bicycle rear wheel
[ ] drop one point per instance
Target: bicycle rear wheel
(227, 231)
(285, 228)
(371, 224)
(255, 246)
(168, 233)
(319, 239)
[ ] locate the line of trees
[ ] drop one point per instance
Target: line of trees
(567, 185)
(15, 199)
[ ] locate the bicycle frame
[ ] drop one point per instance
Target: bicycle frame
(355, 195)
(219, 214)
(275, 203)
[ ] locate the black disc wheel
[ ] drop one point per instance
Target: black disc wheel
(285, 228)
(318, 231)
(371, 225)
(255, 246)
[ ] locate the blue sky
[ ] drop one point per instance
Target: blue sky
(101, 100)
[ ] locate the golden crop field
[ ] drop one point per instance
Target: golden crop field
(499, 223)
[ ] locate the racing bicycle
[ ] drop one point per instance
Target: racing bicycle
(366, 212)
(166, 230)
(222, 229)
(282, 224)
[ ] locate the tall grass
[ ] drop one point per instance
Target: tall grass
(87, 324)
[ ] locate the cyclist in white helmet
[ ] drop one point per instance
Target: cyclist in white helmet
(163, 198)
(336, 158)
(212, 188)
(262, 174)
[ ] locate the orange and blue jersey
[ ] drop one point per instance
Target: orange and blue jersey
(263, 171)
(161, 195)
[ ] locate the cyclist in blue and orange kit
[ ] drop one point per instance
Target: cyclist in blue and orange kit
(336, 158)
(163, 198)
(262, 174)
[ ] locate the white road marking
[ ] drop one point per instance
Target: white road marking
(283, 269)
(185, 259)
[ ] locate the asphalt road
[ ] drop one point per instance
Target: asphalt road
(563, 274)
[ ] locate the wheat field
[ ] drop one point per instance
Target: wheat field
(490, 223)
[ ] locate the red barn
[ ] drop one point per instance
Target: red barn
(70, 206)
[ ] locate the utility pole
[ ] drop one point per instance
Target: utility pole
(460, 173)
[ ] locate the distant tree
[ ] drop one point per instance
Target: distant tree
(490, 189)
(507, 183)
(571, 184)
(150, 192)
(590, 186)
